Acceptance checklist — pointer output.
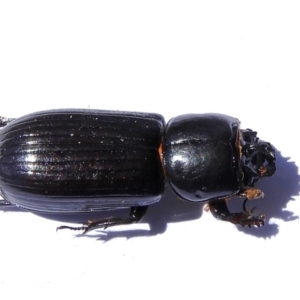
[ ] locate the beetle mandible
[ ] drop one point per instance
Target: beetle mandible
(77, 160)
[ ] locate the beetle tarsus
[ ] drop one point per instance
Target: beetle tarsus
(71, 228)
(105, 223)
(136, 214)
(101, 224)
(247, 219)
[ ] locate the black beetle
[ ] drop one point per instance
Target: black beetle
(79, 160)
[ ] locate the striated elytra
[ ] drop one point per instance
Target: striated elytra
(80, 160)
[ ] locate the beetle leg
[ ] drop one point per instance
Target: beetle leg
(4, 121)
(136, 214)
(220, 211)
(244, 205)
(251, 193)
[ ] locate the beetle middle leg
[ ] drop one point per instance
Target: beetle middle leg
(136, 214)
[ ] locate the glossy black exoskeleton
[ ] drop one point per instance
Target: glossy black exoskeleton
(93, 160)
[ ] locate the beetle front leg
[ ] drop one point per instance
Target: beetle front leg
(136, 214)
(251, 193)
(220, 211)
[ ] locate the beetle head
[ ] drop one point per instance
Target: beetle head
(258, 158)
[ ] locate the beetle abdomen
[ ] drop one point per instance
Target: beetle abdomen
(83, 159)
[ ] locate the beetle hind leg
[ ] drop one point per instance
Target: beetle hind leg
(136, 214)
(220, 211)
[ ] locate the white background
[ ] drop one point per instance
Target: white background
(240, 58)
